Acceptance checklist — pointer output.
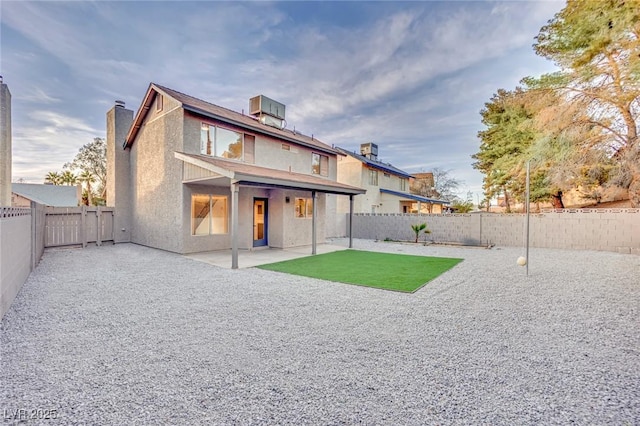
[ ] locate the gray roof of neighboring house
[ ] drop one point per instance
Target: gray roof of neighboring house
(49, 195)
(413, 196)
(386, 167)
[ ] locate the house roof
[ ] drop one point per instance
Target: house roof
(413, 197)
(48, 195)
(207, 109)
(385, 167)
(250, 175)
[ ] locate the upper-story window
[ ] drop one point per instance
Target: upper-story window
(319, 164)
(403, 184)
(373, 177)
(221, 142)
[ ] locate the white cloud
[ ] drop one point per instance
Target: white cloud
(51, 140)
(410, 76)
(38, 96)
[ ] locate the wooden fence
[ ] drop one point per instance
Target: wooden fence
(65, 226)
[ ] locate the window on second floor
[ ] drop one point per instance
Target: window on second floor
(221, 142)
(403, 184)
(373, 177)
(319, 164)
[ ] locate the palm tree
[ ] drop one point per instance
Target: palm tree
(68, 178)
(417, 228)
(88, 178)
(53, 178)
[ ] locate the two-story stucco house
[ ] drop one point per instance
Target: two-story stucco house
(387, 186)
(189, 176)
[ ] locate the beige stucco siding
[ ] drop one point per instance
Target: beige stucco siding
(268, 151)
(156, 183)
(297, 231)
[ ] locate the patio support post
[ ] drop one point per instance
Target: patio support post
(350, 221)
(313, 222)
(234, 225)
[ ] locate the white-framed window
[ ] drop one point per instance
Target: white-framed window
(403, 184)
(319, 164)
(373, 177)
(209, 214)
(304, 208)
(220, 142)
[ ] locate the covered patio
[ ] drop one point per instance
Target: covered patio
(210, 171)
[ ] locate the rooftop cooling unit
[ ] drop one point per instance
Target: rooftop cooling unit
(272, 121)
(369, 149)
(261, 105)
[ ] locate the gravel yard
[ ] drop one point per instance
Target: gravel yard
(126, 334)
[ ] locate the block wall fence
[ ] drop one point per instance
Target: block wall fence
(615, 230)
(25, 232)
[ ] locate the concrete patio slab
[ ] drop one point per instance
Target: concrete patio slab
(261, 256)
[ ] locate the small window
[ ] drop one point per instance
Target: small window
(286, 147)
(315, 163)
(387, 175)
(403, 184)
(373, 177)
(319, 164)
(159, 102)
(304, 208)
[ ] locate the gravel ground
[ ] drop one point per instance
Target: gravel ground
(130, 335)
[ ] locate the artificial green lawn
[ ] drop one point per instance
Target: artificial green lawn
(399, 272)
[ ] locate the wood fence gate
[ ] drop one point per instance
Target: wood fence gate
(66, 226)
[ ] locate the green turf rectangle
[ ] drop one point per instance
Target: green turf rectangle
(399, 272)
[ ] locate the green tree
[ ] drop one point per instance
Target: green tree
(419, 228)
(597, 47)
(68, 178)
(506, 146)
(92, 158)
(53, 178)
(87, 178)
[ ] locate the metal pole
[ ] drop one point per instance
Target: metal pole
(313, 222)
(234, 225)
(527, 221)
(350, 221)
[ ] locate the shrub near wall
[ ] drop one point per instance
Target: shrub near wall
(587, 229)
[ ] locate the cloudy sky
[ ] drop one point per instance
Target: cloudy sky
(411, 77)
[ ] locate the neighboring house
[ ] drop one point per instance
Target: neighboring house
(423, 184)
(387, 186)
(188, 176)
(22, 194)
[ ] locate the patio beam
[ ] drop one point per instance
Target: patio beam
(313, 222)
(234, 225)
